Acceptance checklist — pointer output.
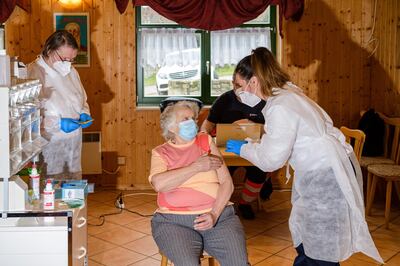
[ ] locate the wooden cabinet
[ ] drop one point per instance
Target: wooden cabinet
(79, 237)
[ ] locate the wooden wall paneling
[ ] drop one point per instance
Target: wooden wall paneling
(35, 35)
(111, 129)
(384, 84)
(120, 53)
(385, 42)
(332, 84)
(393, 22)
(358, 94)
(46, 19)
(397, 48)
(120, 92)
(346, 86)
(24, 32)
(130, 82)
(140, 144)
(367, 14)
(375, 54)
(335, 61)
(151, 141)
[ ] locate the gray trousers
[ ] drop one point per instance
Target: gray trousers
(183, 245)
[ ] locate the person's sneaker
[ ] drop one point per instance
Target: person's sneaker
(266, 189)
(246, 211)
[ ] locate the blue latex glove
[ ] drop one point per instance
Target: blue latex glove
(83, 117)
(68, 125)
(234, 145)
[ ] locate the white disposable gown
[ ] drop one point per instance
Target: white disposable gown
(61, 97)
(327, 203)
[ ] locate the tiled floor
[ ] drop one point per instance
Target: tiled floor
(125, 239)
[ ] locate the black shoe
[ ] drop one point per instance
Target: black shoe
(266, 189)
(246, 211)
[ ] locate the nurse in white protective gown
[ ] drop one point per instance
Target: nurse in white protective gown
(327, 221)
(65, 110)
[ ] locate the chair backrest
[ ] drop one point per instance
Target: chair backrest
(392, 136)
(356, 136)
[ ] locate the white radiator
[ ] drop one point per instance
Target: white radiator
(91, 153)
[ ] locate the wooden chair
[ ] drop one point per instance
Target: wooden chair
(388, 156)
(357, 136)
(211, 260)
(389, 172)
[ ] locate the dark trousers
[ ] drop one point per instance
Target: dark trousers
(303, 260)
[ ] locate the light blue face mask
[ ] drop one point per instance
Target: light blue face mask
(187, 129)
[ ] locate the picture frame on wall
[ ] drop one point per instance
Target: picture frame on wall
(78, 25)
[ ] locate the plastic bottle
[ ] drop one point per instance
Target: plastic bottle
(35, 182)
(5, 75)
(48, 196)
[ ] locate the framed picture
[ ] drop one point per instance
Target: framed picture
(78, 25)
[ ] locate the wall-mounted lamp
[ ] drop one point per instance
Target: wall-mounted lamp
(70, 3)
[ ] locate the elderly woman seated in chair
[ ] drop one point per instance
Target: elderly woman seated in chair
(194, 187)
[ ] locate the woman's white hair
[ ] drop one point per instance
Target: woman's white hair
(168, 117)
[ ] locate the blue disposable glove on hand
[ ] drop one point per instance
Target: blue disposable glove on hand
(68, 125)
(83, 117)
(234, 145)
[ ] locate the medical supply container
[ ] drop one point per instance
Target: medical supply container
(48, 196)
(35, 182)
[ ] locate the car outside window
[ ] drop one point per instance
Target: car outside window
(177, 61)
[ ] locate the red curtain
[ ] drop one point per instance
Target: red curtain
(216, 14)
(7, 7)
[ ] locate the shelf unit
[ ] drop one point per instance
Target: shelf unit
(63, 241)
(19, 110)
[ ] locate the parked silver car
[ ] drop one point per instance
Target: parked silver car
(179, 66)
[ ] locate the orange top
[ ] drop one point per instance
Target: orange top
(198, 193)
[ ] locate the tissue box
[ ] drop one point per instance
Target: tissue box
(74, 190)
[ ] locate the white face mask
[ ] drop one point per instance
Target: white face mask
(248, 98)
(62, 67)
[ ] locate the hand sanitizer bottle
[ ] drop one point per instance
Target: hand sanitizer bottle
(48, 196)
(35, 182)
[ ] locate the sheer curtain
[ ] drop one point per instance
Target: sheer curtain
(156, 44)
(229, 46)
(163, 46)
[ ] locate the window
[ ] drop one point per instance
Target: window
(176, 61)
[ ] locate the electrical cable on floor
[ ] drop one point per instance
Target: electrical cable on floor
(111, 172)
(119, 204)
(139, 193)
(103, 216)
